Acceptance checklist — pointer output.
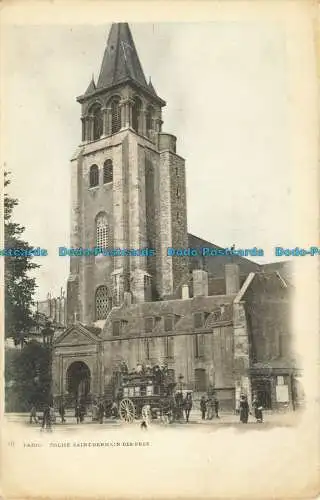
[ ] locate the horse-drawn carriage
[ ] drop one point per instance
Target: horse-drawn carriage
(147, 395)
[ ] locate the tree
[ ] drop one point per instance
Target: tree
(28, 377)
(19, 286)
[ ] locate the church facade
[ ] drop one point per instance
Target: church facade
(137, 304)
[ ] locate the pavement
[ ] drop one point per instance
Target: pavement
(271, 419)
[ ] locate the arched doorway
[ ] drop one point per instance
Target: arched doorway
(78, 381)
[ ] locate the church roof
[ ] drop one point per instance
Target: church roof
(120, 61)
(120, 64)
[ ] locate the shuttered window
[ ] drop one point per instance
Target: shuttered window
(169, 347)
(198, 345)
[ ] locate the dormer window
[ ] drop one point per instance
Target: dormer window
(168, 324)
(148, 324)
(198, 320)
(116, 328)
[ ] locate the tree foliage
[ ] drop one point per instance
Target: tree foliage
(19, 286)
(28, 377)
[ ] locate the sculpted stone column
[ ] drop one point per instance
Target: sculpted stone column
(126, 106)
(109, 121)
(105, 131)
(83, 129)
(143, 122)
(122, 113)
(90, 127)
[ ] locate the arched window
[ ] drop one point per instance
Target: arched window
(149, 119)
(97, 122)
(94, 176)
(107, 172)
(136, 112)
(102, 303)
(103, 239)
(115, 115)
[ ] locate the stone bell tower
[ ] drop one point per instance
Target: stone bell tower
(128, 190)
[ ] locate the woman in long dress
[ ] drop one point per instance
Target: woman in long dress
(244, 409)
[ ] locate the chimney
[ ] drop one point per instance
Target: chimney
(200, 283)
(232, 279)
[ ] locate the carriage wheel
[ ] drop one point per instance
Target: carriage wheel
(127, 410)
(146, 413)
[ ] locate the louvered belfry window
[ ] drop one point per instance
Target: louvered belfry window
(107, 172)
(97, 122)
(94, 176)
(149, 119)
(136, 111)
(102, 302)
(115, 116)
(102, 231)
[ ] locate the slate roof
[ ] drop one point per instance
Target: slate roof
(182, 310)
(216, 265)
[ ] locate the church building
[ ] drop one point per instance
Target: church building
(218, 322)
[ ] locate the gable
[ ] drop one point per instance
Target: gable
(76, 336)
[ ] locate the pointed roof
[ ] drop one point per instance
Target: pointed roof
(120, 60)
(91, 88)
(120, 64)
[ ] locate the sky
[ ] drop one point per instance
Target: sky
(227, 94)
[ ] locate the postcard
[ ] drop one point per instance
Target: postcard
(160, 250)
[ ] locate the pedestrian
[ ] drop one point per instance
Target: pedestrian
(82, 412)
(100, 412)
(143, 425)
(244, 409)
(46, 418)
(33, 415)
(179, 405)
(94, 411)
(114, 410)
(188, 405)
(62, 412)
(216, 406)
(203, 407)
(77, 413)
(257, 410)
(210, 408)
(52, 416)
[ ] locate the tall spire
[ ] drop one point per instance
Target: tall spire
(120, 60)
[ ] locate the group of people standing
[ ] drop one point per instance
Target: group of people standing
(209, 407)
(181, 405)
(47, 419)
(244, 409)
